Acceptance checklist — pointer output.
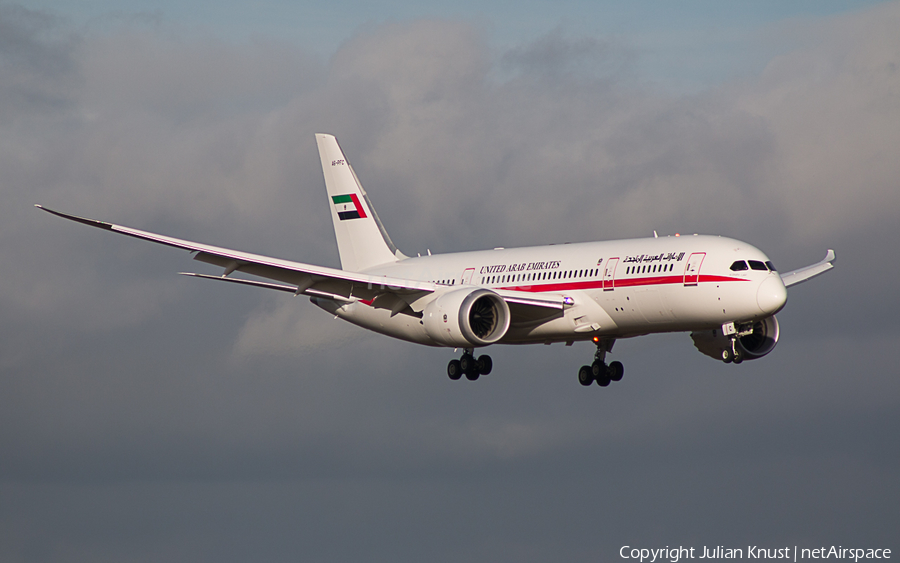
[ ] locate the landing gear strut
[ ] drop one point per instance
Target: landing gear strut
(736, 353)
(598, 371)
(469, 366)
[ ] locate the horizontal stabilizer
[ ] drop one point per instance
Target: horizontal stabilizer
(254, 283)
(308, 291)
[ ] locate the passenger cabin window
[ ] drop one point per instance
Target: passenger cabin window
(757, 265)
(738, 266)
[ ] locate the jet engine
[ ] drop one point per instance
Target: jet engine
(755, 340)
(466, 318)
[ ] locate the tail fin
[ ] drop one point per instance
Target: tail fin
(361, 238)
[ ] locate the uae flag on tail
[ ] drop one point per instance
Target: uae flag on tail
(348, 207)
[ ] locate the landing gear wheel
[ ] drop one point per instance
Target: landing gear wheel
(484, 364)
(454, 371)
(467, 363)
(598, 370)
(738, 358)
(585, 377)
(603, 380)
(616, 371)
(727, 356)
(469, 366)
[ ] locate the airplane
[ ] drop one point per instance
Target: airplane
(723, 291)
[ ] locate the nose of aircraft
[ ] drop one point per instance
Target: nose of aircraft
(771, 295)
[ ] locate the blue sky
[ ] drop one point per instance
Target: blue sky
(685, 45)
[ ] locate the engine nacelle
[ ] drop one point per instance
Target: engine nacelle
(754, 345)
(466, 318)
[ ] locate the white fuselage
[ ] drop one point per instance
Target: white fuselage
(617, 289)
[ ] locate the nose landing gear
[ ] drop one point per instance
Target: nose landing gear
(469, 366)
(599, 371)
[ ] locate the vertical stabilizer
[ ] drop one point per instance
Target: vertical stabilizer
(361, 238)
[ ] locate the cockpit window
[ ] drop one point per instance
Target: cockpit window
(771, 266)
(738, 266)
(757, 265)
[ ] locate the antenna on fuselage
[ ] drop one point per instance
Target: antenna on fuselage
(655, 235)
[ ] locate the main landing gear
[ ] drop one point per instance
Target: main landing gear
(470, 366)
(598, 371)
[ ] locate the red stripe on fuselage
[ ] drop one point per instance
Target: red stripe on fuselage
(598, 284)
(619, 282)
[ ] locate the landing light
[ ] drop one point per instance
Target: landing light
(596, 339)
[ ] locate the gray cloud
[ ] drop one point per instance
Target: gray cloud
(555, 55)
(146, 416)
(34, 57)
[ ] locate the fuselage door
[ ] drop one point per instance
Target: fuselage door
(467, 276)
(609, 274)
(692, 268)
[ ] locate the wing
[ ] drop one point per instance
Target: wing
(809, 272)
(302, 278)
(399, 295)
